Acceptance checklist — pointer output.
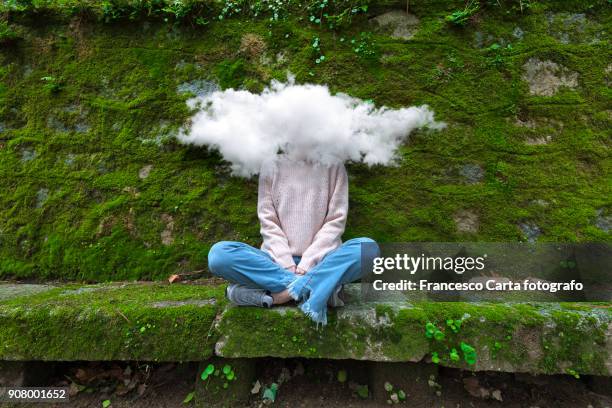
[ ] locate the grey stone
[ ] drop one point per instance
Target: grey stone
(478, 39)
(603, 222)
(538, 140)
(28, 155)
(80, 291)
(56, 124)
(472, 173)
(10, 290)
(530, 230)
(69, 160)
(41, 196)
(166, 234)
(397, 24)
(545, 78)
(518, 33)
(143, 173)
(191, 302)
(466, 221)
(199, 88)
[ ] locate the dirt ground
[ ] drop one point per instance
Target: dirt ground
(326, 383)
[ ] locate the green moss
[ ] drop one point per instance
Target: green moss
(146, 321)
(511, 336)
(111, 322)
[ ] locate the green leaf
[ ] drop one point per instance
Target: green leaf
(435, 358)
(226, 369)
(188, 398)
(210, 369)
(363, 391)
(438, 335)
(106, 403)
(342, 376)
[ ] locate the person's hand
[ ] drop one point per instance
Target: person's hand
(292, 268)
(299, 271)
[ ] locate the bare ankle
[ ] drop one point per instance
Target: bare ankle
(281, 297)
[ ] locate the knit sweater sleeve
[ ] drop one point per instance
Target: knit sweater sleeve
(335, 221)
(275, 240)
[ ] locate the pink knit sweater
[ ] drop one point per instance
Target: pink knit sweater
(302, 208)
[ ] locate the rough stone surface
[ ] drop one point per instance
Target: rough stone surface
(603, 221)
(397, 24)
(545, 78)
(472, 173)
(530, 230)
(146, 321)
(10, 290)
(144, 172)
(466, 221)
(197, 87)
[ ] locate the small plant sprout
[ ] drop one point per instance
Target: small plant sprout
(454, 325)
(401, 395)
(363, 391)
(461, 17)
(439, 335)
(388, 386)
(342, 376)
(316, 47)
(454, 355)
(189, 398)
(207, 372)
(435, 358)
(573, 373)
(51, 85)
(469, 353)
(430, 329)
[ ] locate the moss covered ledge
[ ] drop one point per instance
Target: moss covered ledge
(191, 322)
(549, 338)
(118, 321)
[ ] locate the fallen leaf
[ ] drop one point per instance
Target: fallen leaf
(256, 387)
(497, 395)
(188, 398)
(174, 278)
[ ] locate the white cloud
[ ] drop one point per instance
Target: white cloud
(302, 122)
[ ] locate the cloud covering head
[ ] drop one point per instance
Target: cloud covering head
(302, 122)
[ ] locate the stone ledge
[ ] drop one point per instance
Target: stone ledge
(189, 322)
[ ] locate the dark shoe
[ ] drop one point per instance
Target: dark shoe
(241, 295)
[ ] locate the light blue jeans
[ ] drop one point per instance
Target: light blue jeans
(241, 263)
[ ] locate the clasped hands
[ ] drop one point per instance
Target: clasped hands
(297, 270)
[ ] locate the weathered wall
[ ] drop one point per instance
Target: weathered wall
(94, 187)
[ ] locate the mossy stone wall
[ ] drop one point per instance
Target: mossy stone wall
(94, 187)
